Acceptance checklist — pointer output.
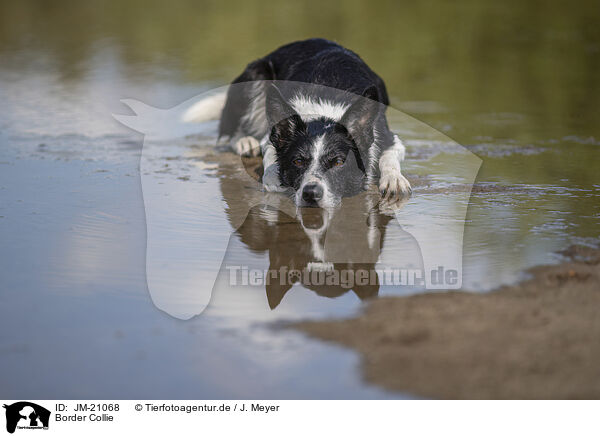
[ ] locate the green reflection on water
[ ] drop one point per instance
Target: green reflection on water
(517, 73)
(536, 59)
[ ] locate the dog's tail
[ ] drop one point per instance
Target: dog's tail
(209, 108)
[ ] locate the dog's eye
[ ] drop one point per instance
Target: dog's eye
(298, 162)
(337, 162)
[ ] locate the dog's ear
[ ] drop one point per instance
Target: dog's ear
(277, 108)
(275, 292)
(360, 117)
(285, 121)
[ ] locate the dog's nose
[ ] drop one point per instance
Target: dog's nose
(312, 193)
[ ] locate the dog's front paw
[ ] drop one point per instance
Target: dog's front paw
(247, 146)
(394, 186)
(270, 179)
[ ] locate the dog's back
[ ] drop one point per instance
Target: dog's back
(314, 61)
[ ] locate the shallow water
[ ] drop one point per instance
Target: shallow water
(77, 319)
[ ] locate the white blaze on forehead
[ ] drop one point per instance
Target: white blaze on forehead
(309, 108)
(318, 148)
(314, 174)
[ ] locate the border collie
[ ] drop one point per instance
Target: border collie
(316, 113)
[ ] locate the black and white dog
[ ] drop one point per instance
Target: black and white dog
(316, 113)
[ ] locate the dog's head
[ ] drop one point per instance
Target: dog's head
(322, 158)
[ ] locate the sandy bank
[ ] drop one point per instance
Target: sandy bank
(537, 339)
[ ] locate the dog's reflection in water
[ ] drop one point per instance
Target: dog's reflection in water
(330, 252)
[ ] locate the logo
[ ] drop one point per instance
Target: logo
(26, 415)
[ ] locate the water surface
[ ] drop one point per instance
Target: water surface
(515, 83)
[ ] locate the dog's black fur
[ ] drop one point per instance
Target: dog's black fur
(316, 61)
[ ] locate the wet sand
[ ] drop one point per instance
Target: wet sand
(538, 339)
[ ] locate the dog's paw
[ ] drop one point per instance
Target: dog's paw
(394, 186)
(247, 146)
(270, 179)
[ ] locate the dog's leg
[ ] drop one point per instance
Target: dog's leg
(253, 122)
(392, 183)
(247, 146)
